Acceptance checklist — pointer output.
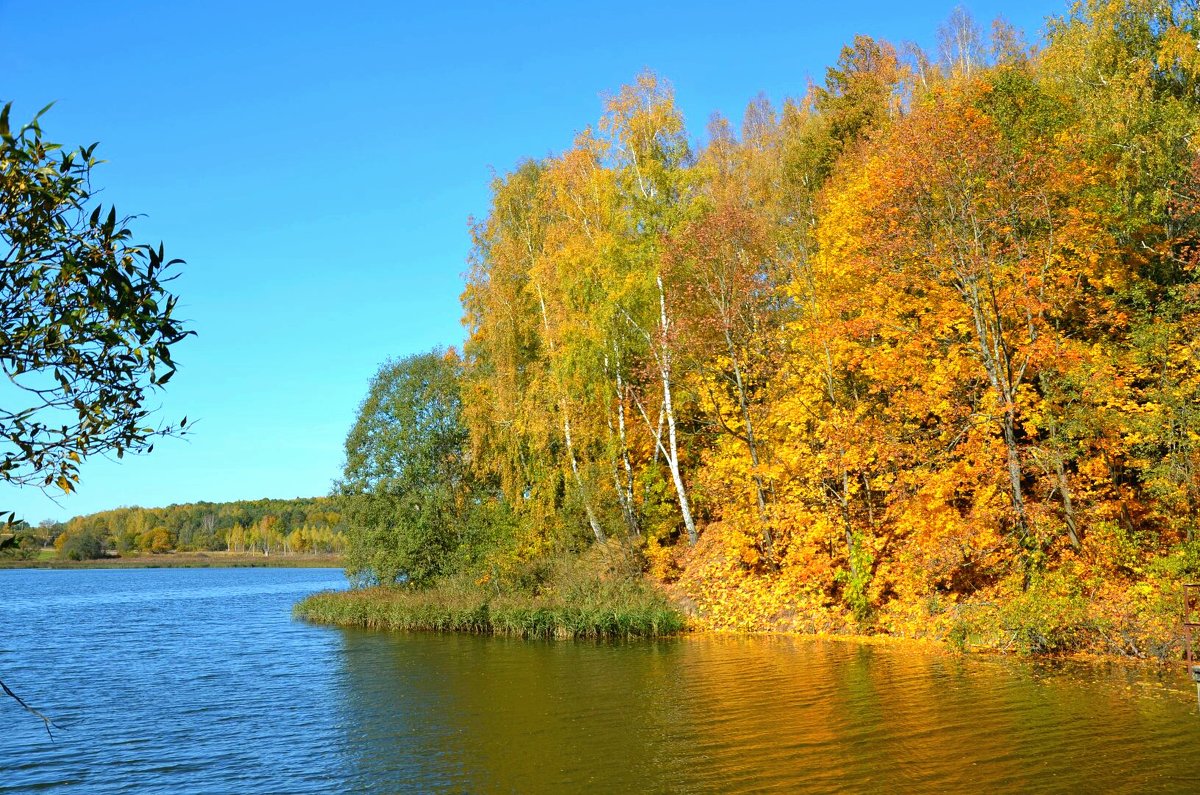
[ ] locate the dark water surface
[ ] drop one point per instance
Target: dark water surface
(198, 680)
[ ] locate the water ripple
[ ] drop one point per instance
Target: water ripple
(198, 681)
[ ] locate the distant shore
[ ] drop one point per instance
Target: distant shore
(181, 560)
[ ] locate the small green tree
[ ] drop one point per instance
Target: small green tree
(81, 545)
(406, 488)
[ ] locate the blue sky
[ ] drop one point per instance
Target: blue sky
(316, 165)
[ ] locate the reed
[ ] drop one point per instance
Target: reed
(599, 609)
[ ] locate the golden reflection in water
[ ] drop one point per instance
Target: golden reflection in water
(719, 713)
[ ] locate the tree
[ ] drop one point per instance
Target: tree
(87, 323)
(723, 265)
(860, 93)
(405, 486)
(84, 545)
(651, 157)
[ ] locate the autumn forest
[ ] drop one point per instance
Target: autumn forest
(844, 440)
(914, 352)
(911, 353)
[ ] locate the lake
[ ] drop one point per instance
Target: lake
(199, 681)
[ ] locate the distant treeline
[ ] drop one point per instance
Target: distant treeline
(298, 526)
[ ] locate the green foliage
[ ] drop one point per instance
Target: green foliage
(87, 325)
(1047, 620)
(83, 545)
(856, 580)
(1180, 564)
(959, 636)
(415, 512)
(860, 91)
(20, 543)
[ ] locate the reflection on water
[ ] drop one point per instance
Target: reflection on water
(716, 714)
(198, 680)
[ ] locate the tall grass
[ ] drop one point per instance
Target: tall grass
(575, 602)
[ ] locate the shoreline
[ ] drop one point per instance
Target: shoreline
(376, 610)
(534, 618)
(184, 560)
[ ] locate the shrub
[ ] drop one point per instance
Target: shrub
(85, 545)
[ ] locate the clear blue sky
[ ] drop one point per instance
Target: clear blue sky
(316, 165)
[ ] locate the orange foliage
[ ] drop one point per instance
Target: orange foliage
(916, 355)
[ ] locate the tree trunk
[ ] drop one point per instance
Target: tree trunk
(997, 366)
(624, 490)
(597, 531)
(664, 368)
(1068, 507)
(1015, 471)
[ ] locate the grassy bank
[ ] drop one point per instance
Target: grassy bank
(450, 610)
(183, 560)
(577, 598)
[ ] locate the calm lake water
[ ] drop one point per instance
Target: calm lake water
(199, 681)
